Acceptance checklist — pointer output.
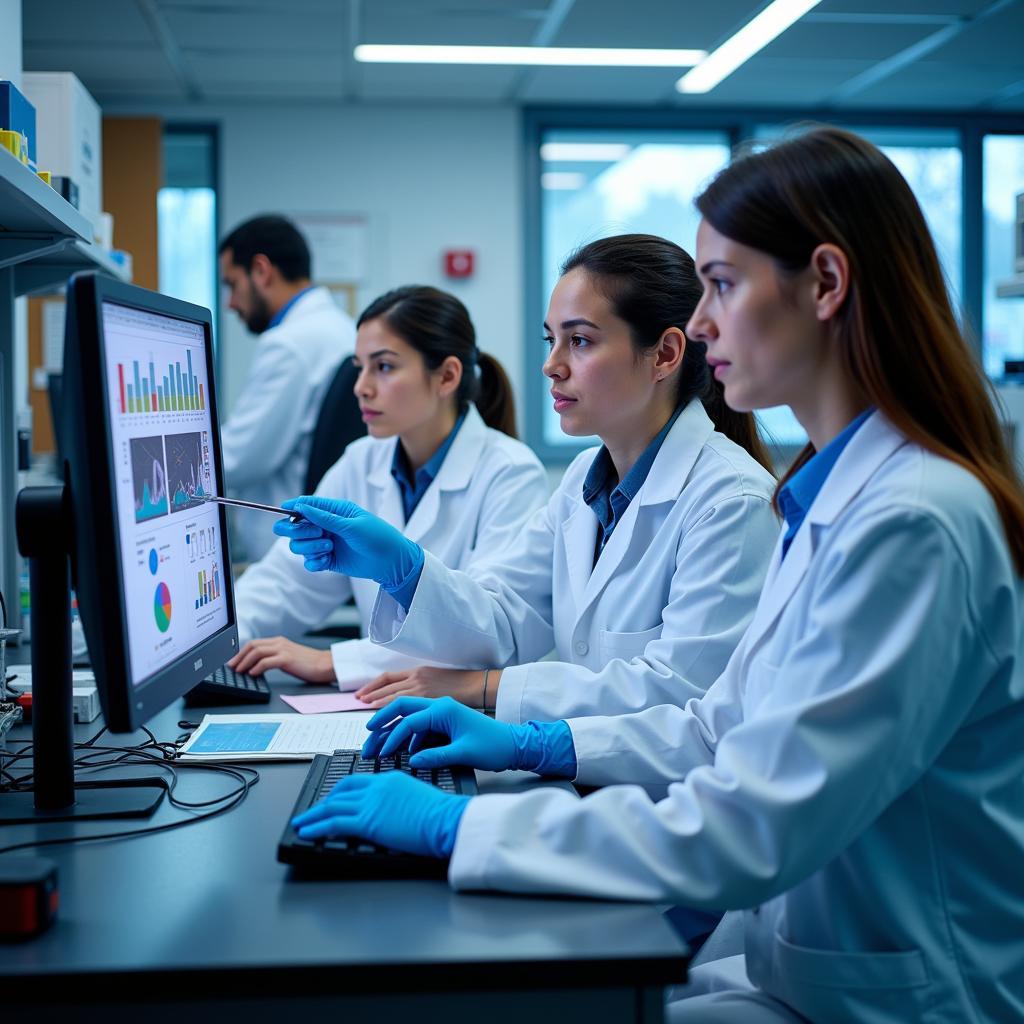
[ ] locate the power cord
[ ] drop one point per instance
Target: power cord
(150, 752)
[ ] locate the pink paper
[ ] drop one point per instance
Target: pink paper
(321, 703)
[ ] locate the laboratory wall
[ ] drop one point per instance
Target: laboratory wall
(425, 178)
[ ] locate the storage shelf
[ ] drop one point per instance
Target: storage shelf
(43, 240)
(32, 211)
(52, 269)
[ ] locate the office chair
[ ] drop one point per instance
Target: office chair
(338, 424)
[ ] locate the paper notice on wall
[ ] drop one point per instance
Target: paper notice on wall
(339, 245)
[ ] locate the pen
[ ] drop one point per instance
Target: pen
(250, 504)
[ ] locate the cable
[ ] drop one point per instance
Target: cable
(150, 752)
(3, 608)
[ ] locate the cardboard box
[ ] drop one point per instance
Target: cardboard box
(69, 134)
(18, 115)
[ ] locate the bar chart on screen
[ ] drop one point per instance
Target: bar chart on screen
(146, 388)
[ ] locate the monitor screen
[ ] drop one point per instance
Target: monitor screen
(161, 429)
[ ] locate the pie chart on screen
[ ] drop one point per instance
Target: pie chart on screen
(162, 607)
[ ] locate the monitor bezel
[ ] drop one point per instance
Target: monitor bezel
(91, 480)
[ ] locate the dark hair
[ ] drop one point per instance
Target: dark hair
(652, 285)
(277, 238)
(898, 334)
(437, 325)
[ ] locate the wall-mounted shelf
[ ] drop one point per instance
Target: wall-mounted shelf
(52, 269)
(1011, 288)
(43, 240)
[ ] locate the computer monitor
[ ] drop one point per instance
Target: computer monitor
(150, 563)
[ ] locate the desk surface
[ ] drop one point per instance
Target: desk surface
(209, 901)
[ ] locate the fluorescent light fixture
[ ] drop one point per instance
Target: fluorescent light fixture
(567, 180)
(739, 48)
(599, 152)
(542, 56)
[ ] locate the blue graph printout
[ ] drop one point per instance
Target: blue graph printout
(236, 737)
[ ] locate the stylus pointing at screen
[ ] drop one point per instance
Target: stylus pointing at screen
(290, 513)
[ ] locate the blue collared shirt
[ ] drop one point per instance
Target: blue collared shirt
(412, 488)
(607, 497)
(796, 498)
(283, 311)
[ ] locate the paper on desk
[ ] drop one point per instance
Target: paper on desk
(321, 703)
(274, 737)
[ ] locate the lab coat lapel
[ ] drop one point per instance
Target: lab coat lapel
(455, 474)
(664, 483)
(579, 536)
(869, 448)
(388, 501)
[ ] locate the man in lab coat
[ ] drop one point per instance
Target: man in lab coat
(302, 338)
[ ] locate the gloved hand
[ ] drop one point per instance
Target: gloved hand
(341, 537)
(475, 740)
(392, 809)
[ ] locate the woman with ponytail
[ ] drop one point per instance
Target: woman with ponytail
(441, 464)
(643, 570)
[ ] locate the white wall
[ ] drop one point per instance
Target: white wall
(427, 179)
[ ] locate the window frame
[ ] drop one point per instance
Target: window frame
(212, 130)
(739, 125)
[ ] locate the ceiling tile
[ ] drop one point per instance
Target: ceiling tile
(653, 23)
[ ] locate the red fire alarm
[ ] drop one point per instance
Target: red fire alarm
(458, 262)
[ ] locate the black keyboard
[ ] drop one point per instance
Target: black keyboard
(226, 686)
(356, 858)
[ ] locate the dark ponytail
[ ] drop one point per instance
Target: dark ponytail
(652, 285)
(437, 325)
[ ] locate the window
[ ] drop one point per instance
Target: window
(187, 216)
(597, 183)
(1003, 318)
(931, 162)
(640, 171)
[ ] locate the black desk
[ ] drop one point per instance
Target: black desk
(202, 923)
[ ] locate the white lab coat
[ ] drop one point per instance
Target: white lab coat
(855, 779)
(654, 621)
(477, 506)
(265, 443)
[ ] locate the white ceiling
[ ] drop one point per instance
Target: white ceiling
(909, 54)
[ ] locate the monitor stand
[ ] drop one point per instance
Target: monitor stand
(44, 537)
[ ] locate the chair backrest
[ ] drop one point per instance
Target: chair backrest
(339, 423)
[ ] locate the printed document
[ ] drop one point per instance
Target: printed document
(284, 737)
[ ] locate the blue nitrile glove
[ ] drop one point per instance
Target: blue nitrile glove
(392, 809)
(339, 536)
(475, 740)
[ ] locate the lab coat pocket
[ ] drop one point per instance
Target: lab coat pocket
(832, 969)
(626, 645)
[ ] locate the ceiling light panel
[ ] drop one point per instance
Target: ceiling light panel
(754, 36)
(527, 56)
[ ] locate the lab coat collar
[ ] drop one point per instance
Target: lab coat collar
(873, 444)
(676, 457)
(314, 300)
(869, 447)
(664, 483)
(455, 474)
